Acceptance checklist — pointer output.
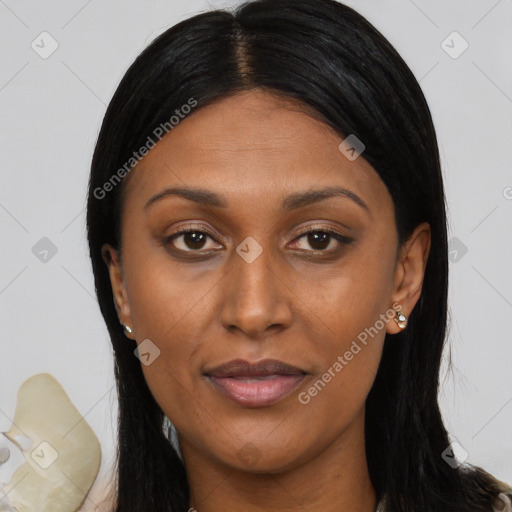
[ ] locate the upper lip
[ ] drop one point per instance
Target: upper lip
(242, 368)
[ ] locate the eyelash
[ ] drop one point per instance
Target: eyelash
(344, 240)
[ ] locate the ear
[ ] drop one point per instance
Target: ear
(111, 258)
(410, 272)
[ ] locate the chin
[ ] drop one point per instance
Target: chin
(261, 458)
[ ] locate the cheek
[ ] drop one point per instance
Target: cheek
(170, 309)
(348, 357)
(349, 297)
(165, 297)
(350, 309)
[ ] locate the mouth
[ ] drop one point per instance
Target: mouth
(255, 385)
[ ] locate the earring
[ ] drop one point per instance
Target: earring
(129, 330)
(400, 319)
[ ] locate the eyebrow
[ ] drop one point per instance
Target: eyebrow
(292, 202)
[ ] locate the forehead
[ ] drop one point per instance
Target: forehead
(252, 142)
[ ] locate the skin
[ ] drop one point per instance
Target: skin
(293, 303)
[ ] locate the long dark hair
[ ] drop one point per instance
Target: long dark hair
(341, 68)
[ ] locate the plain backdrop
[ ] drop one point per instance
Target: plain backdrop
(50, 114)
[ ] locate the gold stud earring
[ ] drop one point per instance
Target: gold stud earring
(400, 319)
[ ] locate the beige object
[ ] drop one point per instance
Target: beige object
(61, 453)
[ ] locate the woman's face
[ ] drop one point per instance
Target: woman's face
(258, 278)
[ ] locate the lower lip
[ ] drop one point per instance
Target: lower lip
(257, 394)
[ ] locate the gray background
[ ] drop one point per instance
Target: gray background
(50, 113)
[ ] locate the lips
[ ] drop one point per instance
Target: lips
(241, 368)
(255, 385)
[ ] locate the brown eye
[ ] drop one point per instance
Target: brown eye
(323, 240)
(319, 240)
(194, 240)
(189, 240)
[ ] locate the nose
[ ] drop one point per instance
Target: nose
(257, 296)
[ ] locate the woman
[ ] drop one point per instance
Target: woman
(267, 231)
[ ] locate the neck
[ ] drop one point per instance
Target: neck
(333, 480)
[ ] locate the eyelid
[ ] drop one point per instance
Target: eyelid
(342, 240)
(185, 228)
(325, 229)
(168, 240)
